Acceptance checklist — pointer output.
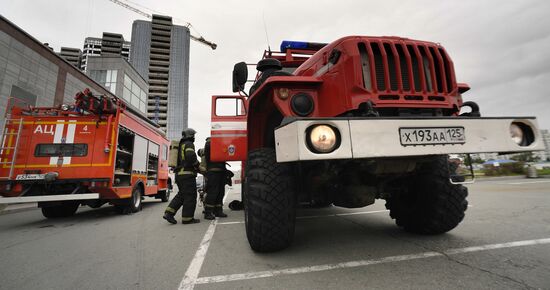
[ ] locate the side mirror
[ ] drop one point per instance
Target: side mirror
(240, 75)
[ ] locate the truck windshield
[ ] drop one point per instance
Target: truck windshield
(66, 150)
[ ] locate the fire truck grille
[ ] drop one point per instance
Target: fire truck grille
(406, 67)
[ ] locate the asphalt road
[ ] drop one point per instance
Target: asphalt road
(504, 243)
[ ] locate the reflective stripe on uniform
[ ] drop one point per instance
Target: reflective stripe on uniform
(183, 152)
(209, 205)
(170, 210)
(216, 169)
(184, 172)
(186, 219)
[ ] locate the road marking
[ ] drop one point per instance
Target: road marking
(362, 263)
(231, 223)
(528, 182)
(189, 279)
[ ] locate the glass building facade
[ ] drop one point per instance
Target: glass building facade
(34, 74)
(160, 53)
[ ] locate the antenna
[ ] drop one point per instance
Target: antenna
(266, 35)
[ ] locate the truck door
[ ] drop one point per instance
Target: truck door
(228, 135)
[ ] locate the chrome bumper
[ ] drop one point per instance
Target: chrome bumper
(379, 137)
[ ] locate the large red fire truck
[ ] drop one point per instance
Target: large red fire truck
(94, 152)
(351, 121)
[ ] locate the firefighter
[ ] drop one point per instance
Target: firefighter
(215, 186)
(186, 173)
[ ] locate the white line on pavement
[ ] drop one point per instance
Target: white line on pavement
(231, 223)
(361, 263)
(528, 182)
(189, 280)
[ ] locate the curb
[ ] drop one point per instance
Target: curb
(17, 207)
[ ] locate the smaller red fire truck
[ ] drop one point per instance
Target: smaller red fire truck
(94, 152)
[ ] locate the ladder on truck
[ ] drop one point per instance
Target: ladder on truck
(11, 131)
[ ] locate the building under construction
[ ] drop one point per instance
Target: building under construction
(160, 53)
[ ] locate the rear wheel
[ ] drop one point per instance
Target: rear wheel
(269, 202)
(164, 195)
(432, 205)
(133, 204)
(65, 209)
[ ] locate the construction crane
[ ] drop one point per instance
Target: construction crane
(186, 24)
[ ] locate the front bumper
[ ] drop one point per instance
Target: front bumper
(380, 137)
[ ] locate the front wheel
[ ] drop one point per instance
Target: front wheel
(269, 202)
(65, 209)
(432, 205)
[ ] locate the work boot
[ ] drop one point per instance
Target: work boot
(170, 218)
(218, 211)
(191, 221)
(209, 215)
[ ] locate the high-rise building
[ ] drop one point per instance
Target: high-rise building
(160, 53)
(109, 44)
(546, 139)
(72, 55)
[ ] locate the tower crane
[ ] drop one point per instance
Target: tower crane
(198, 38)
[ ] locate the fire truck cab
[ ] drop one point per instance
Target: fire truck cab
(94, 152)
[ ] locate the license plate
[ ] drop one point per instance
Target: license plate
(432, 136)
(30, 177)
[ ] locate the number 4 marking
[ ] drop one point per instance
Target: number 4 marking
(85, 128)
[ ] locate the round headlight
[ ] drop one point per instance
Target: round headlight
(65, 107)
(302, 104)
(323, 139)
(516, 133)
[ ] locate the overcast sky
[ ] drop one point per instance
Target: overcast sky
(500, 48)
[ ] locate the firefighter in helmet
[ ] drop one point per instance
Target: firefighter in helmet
(215, 185)
(186, 173)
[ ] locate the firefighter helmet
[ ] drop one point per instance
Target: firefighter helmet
(188, 133)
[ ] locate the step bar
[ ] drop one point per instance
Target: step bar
(43, 198)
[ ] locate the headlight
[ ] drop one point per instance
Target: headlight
(522, 133)
(516, 133)
(65, 107)
(323, 138)
(302, 104)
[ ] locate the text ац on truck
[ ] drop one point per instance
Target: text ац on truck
(351, 121)
(94, 152)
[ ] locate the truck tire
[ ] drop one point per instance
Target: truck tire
(164, 195)
(132, 204)
(432, 205)
(65, 209)
(269, 202)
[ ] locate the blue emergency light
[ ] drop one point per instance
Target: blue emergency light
(288, 44)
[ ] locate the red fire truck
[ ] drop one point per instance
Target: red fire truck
(94, 152)
(351, 121)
